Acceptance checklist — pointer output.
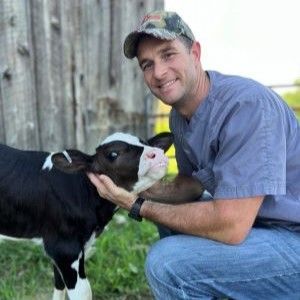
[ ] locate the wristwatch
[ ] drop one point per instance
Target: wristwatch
(134, 212)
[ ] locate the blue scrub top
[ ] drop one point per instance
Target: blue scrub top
(243, 141)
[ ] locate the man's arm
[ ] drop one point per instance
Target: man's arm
(180, 189)
(226, 220)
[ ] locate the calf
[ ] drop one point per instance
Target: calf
(61, 206)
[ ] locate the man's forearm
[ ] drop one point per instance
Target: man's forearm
(200, 219)
(227, 221)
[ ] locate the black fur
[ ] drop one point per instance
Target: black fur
(61, 206)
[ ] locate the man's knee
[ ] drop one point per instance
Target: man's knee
(169, 266)
(159, 259)
(153, 260)
(169, 256)
(174, 254)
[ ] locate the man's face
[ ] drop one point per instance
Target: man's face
(169, 69)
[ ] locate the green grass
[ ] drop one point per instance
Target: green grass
(115, 270)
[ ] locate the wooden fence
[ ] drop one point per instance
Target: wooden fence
(64, 81)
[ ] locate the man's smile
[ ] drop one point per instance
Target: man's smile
(167, 84)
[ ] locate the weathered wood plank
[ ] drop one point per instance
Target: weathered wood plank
(49, 69)
(64, 81)
(17, 81)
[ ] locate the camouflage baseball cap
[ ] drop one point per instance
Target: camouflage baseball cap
(160, 24)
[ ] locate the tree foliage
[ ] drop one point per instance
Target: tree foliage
(293, 98)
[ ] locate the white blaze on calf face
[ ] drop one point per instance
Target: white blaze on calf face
(152, 167)
(153, 162)
(123, 137)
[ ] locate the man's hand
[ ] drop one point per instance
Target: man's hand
(108, 190)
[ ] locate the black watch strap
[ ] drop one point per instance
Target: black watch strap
(134, 212)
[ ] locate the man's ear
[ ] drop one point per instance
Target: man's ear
(163, 140)
(71, 161)
(196, 51)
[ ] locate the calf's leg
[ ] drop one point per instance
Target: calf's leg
(69, 261)
(59, 286)
(82, 289)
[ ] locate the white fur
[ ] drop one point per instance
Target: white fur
(75, 264)
(123, 137)
(59, 295)
(48, 162)
(9, 238)
(82, 290)
(150, 170)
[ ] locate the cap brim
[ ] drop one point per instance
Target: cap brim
(131, 41)
(130, 44)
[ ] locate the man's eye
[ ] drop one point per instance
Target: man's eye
(146, 67)
(113, 155)
(168, 55)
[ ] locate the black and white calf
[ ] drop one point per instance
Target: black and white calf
(61, 206)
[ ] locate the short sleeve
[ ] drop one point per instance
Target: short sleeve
(251, 151)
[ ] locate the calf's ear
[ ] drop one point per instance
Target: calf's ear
(71, 161)
(163, 140)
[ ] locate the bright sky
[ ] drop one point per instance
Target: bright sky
(254, 38)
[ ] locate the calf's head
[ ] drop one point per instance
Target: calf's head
(131, 163)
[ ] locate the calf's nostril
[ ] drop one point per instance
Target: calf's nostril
(151, 155)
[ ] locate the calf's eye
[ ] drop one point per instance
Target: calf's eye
(113, 155)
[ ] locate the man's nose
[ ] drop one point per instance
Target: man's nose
(159, 70)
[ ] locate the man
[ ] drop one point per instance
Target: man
(242, 142)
